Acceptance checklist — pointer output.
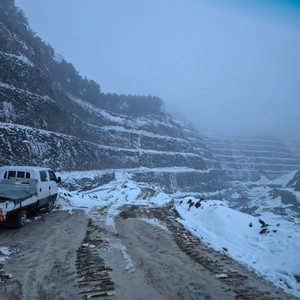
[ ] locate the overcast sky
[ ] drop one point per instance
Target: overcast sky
(227, 66)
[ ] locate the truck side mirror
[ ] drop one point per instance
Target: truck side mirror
(58, 180)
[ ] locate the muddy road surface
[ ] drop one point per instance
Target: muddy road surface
(133, 252)
(43, 263)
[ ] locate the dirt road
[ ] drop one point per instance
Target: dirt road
(142, 253)
(43, 265)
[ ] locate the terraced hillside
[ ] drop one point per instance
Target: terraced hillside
(245, 158)
(49, 118)
(294, 147)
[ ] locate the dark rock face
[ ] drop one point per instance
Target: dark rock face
(28, 146)
(200, 145)
(73, 184)
(187, 181)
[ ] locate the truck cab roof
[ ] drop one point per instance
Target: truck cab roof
(23, 168)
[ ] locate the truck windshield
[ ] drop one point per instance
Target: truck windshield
(52, 175)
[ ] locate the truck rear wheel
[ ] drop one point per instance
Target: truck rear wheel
(21, 218)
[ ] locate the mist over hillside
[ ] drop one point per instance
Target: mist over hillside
(228, 67)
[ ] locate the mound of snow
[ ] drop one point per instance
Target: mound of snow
(272, 251)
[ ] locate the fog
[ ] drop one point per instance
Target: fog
(227, 67)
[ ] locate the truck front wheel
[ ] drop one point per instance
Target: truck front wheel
(50, 204)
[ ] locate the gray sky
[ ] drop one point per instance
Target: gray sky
(223, 65)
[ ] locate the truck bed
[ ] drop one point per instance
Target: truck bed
(17, 189)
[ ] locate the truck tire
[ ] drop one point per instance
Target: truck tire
(50, 204)
(21, 218)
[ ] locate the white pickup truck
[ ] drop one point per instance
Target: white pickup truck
(24, 190)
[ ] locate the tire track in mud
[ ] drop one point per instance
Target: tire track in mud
(235, 277)
(94, 276)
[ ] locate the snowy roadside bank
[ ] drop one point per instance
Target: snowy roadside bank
(268, 245)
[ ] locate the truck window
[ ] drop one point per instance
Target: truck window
(43, 176)
(27, 175)
(52, 176)
(5, 175)
(11, 174)
(21, 174)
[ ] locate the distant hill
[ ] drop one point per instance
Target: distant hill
(247, 158)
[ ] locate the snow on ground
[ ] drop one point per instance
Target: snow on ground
(69, 176)
(4, 252)
(154, 222)
(271, 251)
(118, 192)
(140, 132)
(21, 58)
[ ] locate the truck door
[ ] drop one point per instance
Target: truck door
(43, 192)
(52, 183)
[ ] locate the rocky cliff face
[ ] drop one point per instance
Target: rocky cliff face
(49, 116)
(45, 122)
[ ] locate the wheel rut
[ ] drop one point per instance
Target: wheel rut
(234, 277)
(94, 279)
